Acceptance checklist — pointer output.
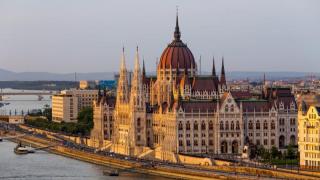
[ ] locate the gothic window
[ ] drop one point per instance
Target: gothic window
(292, 106)
(195, 142)
(188, 125)
(231, 108)
(250, 125)
(237, 125)
(180, 143)
(210, 125)
(203, 126)
(265, 124)
(180, 126)
(273, 125)
(221, 125)
(203, 142)
(138, 122)
(281, 106)
(232, 125)
(210, 142)
(292, 121)
(226, 108)
(258, 124)
(227, 125)
(281, 121)
(188, 143)
(195, 125)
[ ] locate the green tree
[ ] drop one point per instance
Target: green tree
(291, 153)
(274, 152)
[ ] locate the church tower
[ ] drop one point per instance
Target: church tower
(123, 87)
(137, 107)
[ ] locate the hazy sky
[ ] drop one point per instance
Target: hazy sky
(88, 35)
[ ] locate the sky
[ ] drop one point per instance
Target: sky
(65, 36)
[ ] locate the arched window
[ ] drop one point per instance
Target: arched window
(203, 126)
(188, 125)
(138, 122)
(258, 124)
(180, 126)
(237, 125)
(232, 125)
(265, 124)
(227, 125)
(210, 125)
(232, 108)
(226, 108)
(292, 140)
(221, 125)
(195, 126)
(273, 125)
(250, 125)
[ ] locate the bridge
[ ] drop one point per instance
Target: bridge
(26, 93)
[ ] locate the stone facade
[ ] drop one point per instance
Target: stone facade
(182, 112)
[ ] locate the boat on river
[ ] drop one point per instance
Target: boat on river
(20, 149)
(111, 172)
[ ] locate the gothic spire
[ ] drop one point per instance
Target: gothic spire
(223, 74)
(123, 61)
(213, 68)
(137, 63)
(177, 33)
(143, 68)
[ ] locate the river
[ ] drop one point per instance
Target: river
(44, 166)
(22, 103)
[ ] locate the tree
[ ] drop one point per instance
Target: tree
(274, 152)
(291, 153)
(47, 112)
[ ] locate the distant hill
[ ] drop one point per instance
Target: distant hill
(6, 75)
(45, 76)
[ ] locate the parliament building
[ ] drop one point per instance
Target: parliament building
(179, 111)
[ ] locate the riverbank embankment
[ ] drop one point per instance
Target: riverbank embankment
(192, 172)
(122, 165)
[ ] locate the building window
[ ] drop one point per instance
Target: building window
(232, 125)
(203, 126)
(265, 142)
(226, 108)
(258, 124)
(138, 122)
(272, 142)
(221, 125)
(250, 125)
(227, 125)
(265, 124)
(210, 125)
(203, 142)
(210, 142)
(232, 108)
(180, 126)
(273, 125)
(188, 125)
(237, 125)
(195, 125)
(180, 143)
(188, 142)
(195, 142)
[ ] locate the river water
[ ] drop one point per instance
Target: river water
(18, 103)
(45, 166)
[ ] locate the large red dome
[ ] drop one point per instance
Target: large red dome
(177, 54)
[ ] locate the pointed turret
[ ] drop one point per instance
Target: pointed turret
(143, 69)
(223, 74)
(123, 87)
(136, 97)
(214, 74)
(177, 33)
